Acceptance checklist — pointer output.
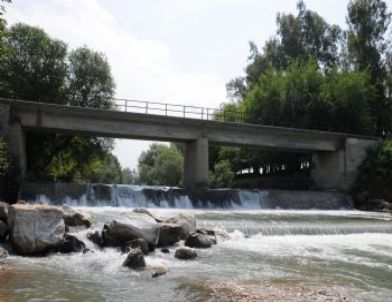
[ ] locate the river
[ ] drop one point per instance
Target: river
(271, 255)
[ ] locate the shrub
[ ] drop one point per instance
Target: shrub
(375, 173)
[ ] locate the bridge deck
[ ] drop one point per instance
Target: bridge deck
(35, 116)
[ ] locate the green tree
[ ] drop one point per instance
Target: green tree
(34, 67)
(2, 29)
(222, 175)
(105, 169)
(368, 22)
(38, 68)
(161, 165)
(374, 176)
(129, 176)
(90, 83)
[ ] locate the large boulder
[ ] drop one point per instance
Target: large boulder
(131, 226)
(71, 244)
(3, 231)
(176, 228)
(4, 211)
(135, 259)
(73, 218)
(185, 253)
(200, 241)
(35, 229)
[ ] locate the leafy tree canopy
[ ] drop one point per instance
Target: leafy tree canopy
(161, 165)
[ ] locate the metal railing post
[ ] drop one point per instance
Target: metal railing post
(208, 117)
(146, 107)
(165, 109)
(202, 113)
(184, 107)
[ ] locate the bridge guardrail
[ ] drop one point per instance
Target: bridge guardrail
(205, 113)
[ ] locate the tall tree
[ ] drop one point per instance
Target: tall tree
(90, 82)
(299, 38)
(161, 165)
(38, 68)
(34, 68)
(368, 22)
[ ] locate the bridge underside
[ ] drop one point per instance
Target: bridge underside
(335, 156)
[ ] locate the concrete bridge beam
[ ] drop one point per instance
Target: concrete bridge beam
(196, 163)
(11, 129)
(337, 170)
(17, 146)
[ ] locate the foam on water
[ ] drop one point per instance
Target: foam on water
(361, 261)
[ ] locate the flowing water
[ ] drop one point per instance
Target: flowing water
(273, 254)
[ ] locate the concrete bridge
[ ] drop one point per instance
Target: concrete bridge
(336, 156)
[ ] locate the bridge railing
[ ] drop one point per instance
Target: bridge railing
(222, 115)
(211, 114)
(176, 110)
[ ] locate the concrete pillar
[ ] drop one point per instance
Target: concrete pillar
(337, 170)
(196, 164)
(17, 146)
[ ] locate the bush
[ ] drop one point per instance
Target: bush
(9, 180)
(375, 173)
(222, 176)
(5, 160)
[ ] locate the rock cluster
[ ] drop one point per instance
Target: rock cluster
(41, 229)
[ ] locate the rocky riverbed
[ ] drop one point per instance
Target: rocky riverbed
(117, 254)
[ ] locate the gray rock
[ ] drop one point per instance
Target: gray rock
(221, 235)
(131, 226)
(176, 228)
(158, 271)
(147, 212)
(4, 211)
(71, 244)
(185, 253)
(200, 241)
(169, 234)
(96, 238)
(165, 251)
(3, 231)
(205, 231)
(140, 243)
(35, 229)
(73, 218)
(3, 253)
(135, 259)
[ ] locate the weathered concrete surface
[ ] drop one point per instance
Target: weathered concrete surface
(337, 170)
(336, 155)
(99, 122)
(196, 163)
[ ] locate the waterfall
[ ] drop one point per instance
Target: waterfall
(115, 195)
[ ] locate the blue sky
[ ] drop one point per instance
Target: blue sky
(175, 51)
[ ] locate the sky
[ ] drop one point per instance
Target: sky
(172, 51)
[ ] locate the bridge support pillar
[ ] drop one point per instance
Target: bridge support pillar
(196, 164)
(17, 146)
(337, 170)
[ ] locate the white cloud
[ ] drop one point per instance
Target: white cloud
(142, 69)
